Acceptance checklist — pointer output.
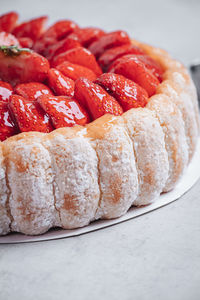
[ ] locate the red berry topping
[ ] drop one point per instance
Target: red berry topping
(7, 125)
(60, 84)
(96, 99)
(131, 67)
(79, 56)
(109, 40)
(128, 93)
(64, 111)
(8, 21)
(6, 91)
(88, 35)
(75, 71)
(112, 54)
(22, 65)
(26, 42)
(152, 65)
(32, 29)
(7, 39)
(29, 115)
(67, 43)
(32, 90)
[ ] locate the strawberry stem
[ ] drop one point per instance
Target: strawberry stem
(13, 50)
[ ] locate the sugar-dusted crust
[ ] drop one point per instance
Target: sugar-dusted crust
(72, 176)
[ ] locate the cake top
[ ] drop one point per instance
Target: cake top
(65, 75)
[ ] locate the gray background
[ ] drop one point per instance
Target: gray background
(156, 256)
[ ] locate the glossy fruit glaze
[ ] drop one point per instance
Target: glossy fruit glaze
(64, 75)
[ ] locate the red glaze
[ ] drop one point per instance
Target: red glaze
(6, 91)
(32, 90)
(23, 66)
(79, 56)
(7, 39)
(128, 93)
(152, 65)
(95, 99)
(56, 32)
(60, 84)
(8, 21)
(88, 35)
(109, 40)
(26, 42)
(112, 54)
(29, 115)
(32, 29)
(67, 43)
(7, 125)
(75, 71)
(64, 111)
(132, 68)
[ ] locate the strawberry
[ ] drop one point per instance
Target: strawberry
(152, 65)
(88, 35)
(7, 125)
(132, 68)
(22, 65)
(60, 84)
(8, 21)
(32, 90)
(7, 39)
(64, 111)
(32, 29)
(6, 91)
(26, 42)
(75, 71)
(109, 40)
(112, 54)
(56, 32)
(79, 56)
(128, 93)
(29, 115)
(96, 99)
(65, 44)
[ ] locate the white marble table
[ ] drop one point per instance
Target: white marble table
(155, 256)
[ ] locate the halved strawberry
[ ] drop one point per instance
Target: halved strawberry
(109, 40)
(7, 124)
(95, 99)
(60, 84)
(32, 90)
(7, 39)
(88, 35)
(152, 65)
(8, 21)
(132, 68)
(32, 29)
(56, 32)
(65, 44)
(29, 115)
(64, 111)
(26, 42)
(22, 65)
(79, 56)
(128, 93)
(112, 54)
(6, 91)
(60, 29)
(75, 71)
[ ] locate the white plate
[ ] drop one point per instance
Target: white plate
(190, 177)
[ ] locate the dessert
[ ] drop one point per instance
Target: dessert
(91, 123)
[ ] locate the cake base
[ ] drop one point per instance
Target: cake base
(190, 177)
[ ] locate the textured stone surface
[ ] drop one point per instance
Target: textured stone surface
(155, 256)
